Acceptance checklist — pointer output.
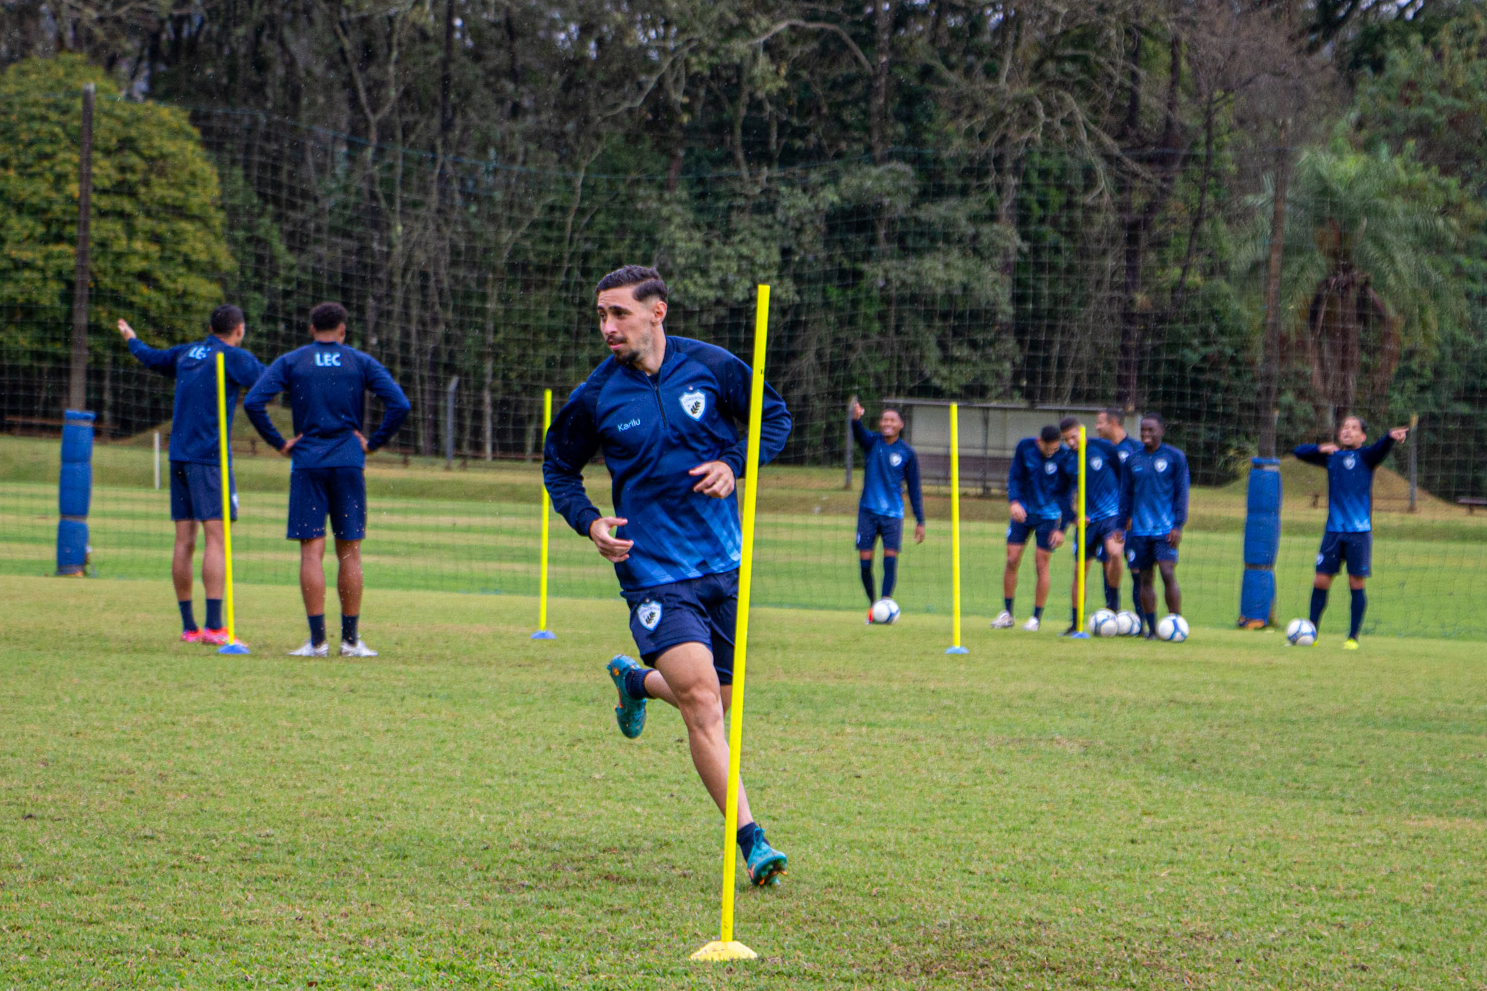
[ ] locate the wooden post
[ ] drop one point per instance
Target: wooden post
(851, 403)
(77, 393)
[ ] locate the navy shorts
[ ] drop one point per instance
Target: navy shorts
(871, 526)
(316, 492)
(1354, 548)
(1017, 533)
(1143, 552)
(1096, 532)
(699, 610)
(196, 491)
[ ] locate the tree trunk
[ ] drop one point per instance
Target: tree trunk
(1270, 346)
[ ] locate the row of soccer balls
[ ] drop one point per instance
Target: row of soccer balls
(1102, 623)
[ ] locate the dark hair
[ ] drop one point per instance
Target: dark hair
(1050, 434)
(225, 319)
(1116, 416)
(1362, 423)
(1154, 416)
(647, 282)
(1067, 423)
(890, 409)
(327, 316)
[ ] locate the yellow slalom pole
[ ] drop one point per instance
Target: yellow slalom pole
(232, 646)
(955, 647)
(543, 633)
(726, 947)
(1083, 552)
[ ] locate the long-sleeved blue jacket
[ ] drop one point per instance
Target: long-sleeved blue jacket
(889, 467)
(1349, 482)
(1154, 494)
(1042, 484)
(193, 431)
(653, 430)
(327, 383)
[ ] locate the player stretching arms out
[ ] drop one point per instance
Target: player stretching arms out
(1110, 425)
(1102, 509)
(1349, 535)
(1038, 490)
(890, 464)
(1154, 509)
(196, 455)
(327, 382)
(662, 410)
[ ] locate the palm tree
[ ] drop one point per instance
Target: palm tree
(1374, 278)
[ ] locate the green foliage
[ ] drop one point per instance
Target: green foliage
(158, 252)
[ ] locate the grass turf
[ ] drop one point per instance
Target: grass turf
(461, 812)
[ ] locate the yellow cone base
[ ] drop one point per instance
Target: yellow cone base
(731, 950)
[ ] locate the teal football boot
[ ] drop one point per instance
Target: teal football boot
(765, 864)
(630, 713)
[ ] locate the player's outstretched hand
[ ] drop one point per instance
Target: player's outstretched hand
(1327, 448)
(1019, 514)
(364, 448)
(611, 548)
(1174, 538)
(717, 479)
(1399, 433)
(126, 331)
(1056, 540)
(289, 445)
(857, 410)
(919, 533)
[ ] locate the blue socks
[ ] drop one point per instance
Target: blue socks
(188, 621)
(214, 614)
(1136, 595)
(890, 574)
(348, 629)
(1151, 622)
(747, 837)
(635, 683)
(317, 629)
(1008, 604)
(867, 580)
(1360, 603)
(1318, 605)
(1037, 612)
(1112, 597)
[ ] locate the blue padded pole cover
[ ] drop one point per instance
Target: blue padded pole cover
(75, 492)
(1261, 544)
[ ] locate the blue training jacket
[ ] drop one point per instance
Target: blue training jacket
(887, 468)
(1042, 484)
(1102, 480)
(327, 383)
(193, 432)
(1154, 496)
(1349, 483)
(1125, 448)
(652, 432)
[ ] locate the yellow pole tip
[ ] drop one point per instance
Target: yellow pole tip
(719, 950)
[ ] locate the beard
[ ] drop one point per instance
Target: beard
(640, 349)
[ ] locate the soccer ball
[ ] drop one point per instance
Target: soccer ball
(1102, 623)
(1172, 628)
(1126, 623)
(885, 611)
(1300, 633)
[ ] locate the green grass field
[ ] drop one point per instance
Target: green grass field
(461, 812)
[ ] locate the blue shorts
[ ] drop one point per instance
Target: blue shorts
(196, 491)
(339, 492)
(1017, 533)
(1143, 552)
(1096, 532)
(699, 610)
(1354, 548)
(871, 526)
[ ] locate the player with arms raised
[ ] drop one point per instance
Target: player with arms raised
(327, 382)
(890, 465)
(196, 458)
(1038, 494)
(662, 409)
(1349, 534)
(1153, 511)
(1102, 483)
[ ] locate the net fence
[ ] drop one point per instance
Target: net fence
(1056, 288)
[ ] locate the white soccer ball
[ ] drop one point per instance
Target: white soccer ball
(1172, 628)
(1102, 623)
(1300, 633)
(1127, 623)
(885, 611)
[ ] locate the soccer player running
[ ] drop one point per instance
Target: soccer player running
(1349, 534)
(327, 382)
(1038, 491)
(662, 410)
(880, 512)
(196, 456)
(1153, 511)
(1102, 483)
(1110, 426)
